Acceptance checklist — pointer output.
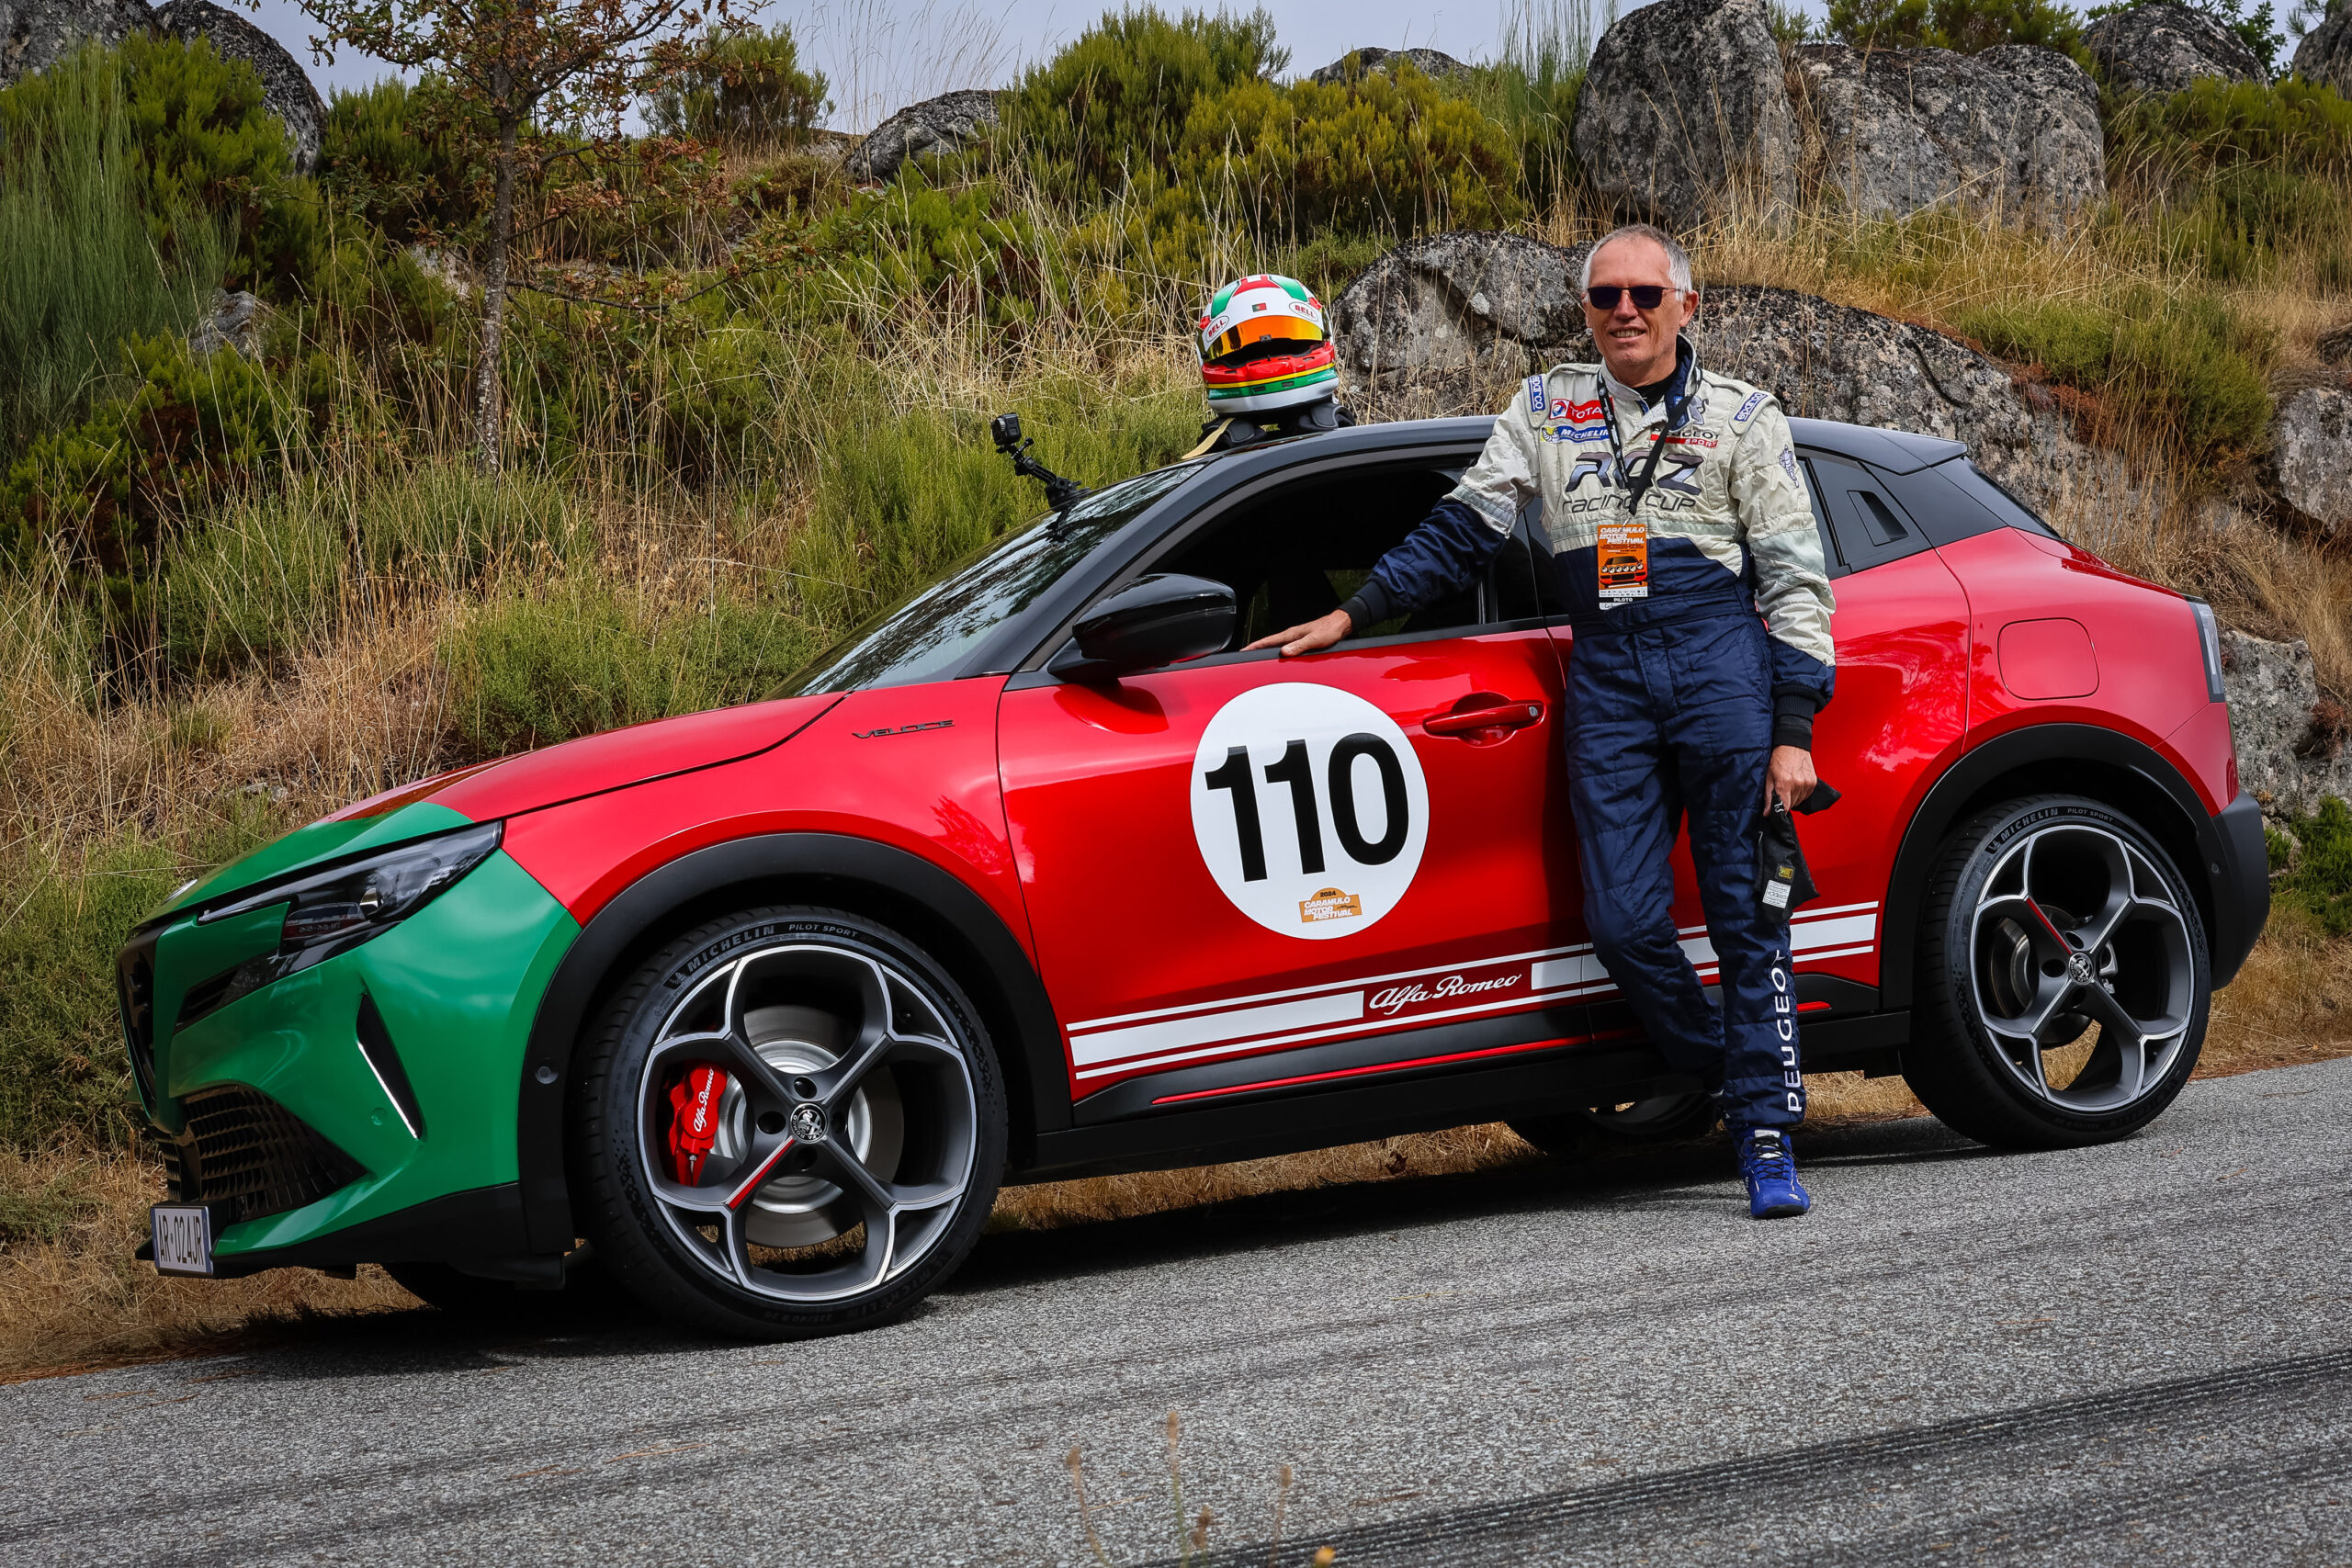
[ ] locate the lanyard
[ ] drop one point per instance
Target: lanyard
(1678, 406)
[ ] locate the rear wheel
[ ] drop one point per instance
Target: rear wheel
(2064, 979)
(790, 1123)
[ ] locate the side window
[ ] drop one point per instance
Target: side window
(1829, 556)
(1300, 552)
(1956, 501)
(1870, 527)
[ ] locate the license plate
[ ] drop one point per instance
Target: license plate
(183, 1234)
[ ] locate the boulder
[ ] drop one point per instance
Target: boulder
(37, 34)
(2290, 754)
(2161, 48)
(1447, 324)
(1428, 61)
(2336, 348)
(235, 324)
(947, 123)
(2014, 131)
(2311, 456)
(285, 87)
(1684, 116)
(2325, 57)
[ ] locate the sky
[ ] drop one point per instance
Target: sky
(880, 55)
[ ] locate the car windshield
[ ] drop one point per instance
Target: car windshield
(923, 635)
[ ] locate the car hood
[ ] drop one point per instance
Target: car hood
(529, 781)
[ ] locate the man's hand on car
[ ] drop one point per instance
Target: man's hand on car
(1308, 637)
(1790, 777)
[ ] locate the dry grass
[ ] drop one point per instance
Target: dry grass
(79, 1299)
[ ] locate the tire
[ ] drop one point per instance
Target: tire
(855, 1147)
(1662, 1118)
(2047, 915)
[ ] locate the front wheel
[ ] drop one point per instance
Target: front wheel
(2064, 979)
(790, 1122)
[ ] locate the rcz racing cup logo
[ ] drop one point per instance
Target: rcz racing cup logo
(1309, 808)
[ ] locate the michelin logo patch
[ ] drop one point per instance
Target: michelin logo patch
(1789, 461)
(1755, 400)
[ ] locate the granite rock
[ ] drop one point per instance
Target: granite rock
(947, 123)
(2310, 457)
(37, 34)
(2162, 47)
(2325, 57)
(2287, 752)
(2013, 130)
(1428, 61)
(286, 87)
(1685, 114)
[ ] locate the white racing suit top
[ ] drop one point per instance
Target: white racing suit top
(1725, 512)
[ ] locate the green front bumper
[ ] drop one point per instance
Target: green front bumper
(458, 985)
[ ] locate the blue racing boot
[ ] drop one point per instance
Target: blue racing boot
(1769, 1168)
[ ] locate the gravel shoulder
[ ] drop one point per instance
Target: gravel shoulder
(1960, 1354)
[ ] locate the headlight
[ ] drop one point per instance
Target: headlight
(332, 911)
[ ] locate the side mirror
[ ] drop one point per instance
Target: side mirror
(1153, 621)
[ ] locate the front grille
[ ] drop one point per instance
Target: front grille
(244, 1150)
(134, 973)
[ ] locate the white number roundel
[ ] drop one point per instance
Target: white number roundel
(1310, 809)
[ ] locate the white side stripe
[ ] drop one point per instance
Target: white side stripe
(1175, 1035)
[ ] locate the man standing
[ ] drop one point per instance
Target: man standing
(1678, 516)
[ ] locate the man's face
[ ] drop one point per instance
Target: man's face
(1637, 344)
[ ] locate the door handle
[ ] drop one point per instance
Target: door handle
(1485, 722)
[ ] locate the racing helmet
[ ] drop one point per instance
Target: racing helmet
(1264, 347)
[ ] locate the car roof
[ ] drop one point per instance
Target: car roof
(1896, 451)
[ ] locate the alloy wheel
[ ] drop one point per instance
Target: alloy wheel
(807, 1121)
(2076, 928)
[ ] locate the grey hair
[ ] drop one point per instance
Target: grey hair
(1677, 260)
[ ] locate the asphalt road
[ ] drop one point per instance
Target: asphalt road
(2136, 1353)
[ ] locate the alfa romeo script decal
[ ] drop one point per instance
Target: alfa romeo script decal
(1309, 808)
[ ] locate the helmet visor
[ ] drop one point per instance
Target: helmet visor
(1245, 339)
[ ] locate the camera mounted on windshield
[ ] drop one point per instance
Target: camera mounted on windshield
(1061, 494)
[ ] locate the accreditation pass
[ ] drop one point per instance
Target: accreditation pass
(1624, 560)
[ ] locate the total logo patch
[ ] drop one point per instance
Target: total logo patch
(1310, 809)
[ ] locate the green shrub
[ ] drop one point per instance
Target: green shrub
(62, 1069)
(2180, 364)
(257, 584)
(2321, 881)
(2293, 124)
(744, 88)
(1116, 101)
(1383, 153)
(411, 161)
(80, 265)
(107, 494)
(1967, 26)
(533, 670)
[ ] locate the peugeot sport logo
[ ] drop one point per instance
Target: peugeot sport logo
(2078, 968)
(809, 1123)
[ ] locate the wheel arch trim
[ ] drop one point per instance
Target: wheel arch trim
(997, 973)
(1971, 781)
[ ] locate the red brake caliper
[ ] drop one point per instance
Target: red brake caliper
(693, 1119)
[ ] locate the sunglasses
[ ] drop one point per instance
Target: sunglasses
(1647, 296)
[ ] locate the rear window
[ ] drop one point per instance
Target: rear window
(1994, 497)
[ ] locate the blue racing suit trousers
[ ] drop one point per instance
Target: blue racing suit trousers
(1670, 720)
